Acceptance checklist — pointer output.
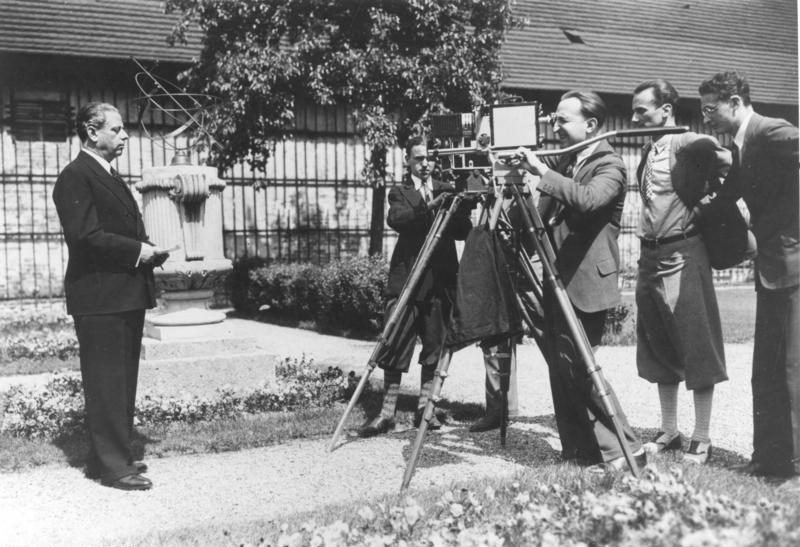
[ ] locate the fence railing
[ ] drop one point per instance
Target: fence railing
(310, 206)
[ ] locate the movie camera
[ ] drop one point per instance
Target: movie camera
(467, 147)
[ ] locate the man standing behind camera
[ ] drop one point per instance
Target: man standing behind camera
(412, 207)
(764, 172)
(582, 199)
(108, 285)
(679, 336)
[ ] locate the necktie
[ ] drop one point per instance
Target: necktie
(426, 193)
(117, 176)
(647, 177)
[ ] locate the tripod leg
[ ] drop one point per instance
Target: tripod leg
(537, 233)
(350, 405)
(392, 327)
(427, 416)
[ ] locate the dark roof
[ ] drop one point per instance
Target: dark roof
(627, 41)
(88, 28)
(624, 41)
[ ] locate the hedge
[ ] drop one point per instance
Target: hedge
(344, 294)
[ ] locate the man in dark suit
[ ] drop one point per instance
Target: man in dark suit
(679, 335)
(412, 207)
(582, 196)
(108, 284)
(765, 173)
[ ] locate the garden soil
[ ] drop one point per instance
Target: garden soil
(57, 506)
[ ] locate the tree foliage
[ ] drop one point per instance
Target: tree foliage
(393, 62)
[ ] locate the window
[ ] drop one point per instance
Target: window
(40, 118)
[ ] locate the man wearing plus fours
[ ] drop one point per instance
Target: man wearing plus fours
(765, 173)
(679, 335)
(412, 207)
(108, 285)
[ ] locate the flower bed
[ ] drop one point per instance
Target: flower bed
(661, 510)
(58, 407)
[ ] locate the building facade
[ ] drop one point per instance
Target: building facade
(311, 204)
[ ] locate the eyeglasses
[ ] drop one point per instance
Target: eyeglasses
(709, 109)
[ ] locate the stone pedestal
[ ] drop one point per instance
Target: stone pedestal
(182, 211)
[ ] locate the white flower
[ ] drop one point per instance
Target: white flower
(366, 514)
(456, 509)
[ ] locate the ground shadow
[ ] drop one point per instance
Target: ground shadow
(75, 447)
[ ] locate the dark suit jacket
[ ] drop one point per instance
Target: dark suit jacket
(698, 166)
(103, 229)
(768, 181)
(410, 217)
(587, 209)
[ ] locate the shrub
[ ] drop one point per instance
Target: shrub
(21, 319)
(351, 293)
(58, 407)
(344, 294)
(239, 281)
(620, 327)
(62, 344)
(291, 290)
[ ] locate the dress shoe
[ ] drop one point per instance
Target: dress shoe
(619, 464)
(130, 482)
(698, 452)
(378, 426)
(436, 422)
(141, 467)
(664, 441)
(486, 423)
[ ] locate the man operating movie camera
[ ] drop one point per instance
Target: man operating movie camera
(581, 202)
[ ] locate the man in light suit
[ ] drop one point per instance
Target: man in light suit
(679, 335)
(582, 196)
(765, 173)
(412, 207)
(108, 285)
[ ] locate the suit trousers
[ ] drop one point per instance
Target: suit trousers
(109, 346)
(586, 430)
(776, 381)
(499, 355)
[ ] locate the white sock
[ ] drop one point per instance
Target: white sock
(703, 399)
(391, 387)
(668, 397)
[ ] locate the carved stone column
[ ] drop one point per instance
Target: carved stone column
(182, 209)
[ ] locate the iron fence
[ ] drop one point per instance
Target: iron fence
(310, 206)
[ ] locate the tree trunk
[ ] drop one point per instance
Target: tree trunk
(377, 220)
(378, 171)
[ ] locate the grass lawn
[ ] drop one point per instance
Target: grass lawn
(549, 503)
(737, 309)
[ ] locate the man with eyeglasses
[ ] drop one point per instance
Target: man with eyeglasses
(412, 207)
(765, 174)
(679, 336)
(582, 197)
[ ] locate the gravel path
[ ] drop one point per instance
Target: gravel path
(57, 506)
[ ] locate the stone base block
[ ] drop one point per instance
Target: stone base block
(185, 332)
(201, 376)
(153, 349)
